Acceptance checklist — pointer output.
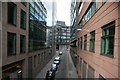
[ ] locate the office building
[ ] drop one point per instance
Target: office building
(23, 31)
(62, 35)
(97, 42)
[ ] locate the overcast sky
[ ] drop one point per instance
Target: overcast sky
(63, 11)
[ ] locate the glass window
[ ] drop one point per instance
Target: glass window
(11, 44)
(32, 10)
(12, 13)
(107, 39)
(22, 44)
(23, 19)
(92, 41)
(85, 42)
(91, 73)
(91, 11)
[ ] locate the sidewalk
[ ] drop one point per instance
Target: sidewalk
(71, 69)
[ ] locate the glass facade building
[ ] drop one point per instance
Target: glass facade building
(37, 26)
(62, 34)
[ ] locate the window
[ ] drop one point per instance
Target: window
(22, 44)
(85, 42)
(94, 8)
(80, 46)
(23, 19)
(91, 73)
(12, 13)
(91, 11)
(11, 44)
(37, 31)
(92, 41)
(107, 39)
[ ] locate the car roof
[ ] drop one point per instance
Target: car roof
(57, 57)
(54, 65)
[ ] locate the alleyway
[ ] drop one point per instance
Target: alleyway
(65, 70)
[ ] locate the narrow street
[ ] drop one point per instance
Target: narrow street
(65, 70)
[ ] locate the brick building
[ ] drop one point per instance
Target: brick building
(97, 41)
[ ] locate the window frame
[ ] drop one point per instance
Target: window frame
(106, 37)
(8, 36)
(23, 38)
(92, 39)
(24, 25)
(8, 14)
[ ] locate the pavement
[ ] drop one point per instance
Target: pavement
(66, 69)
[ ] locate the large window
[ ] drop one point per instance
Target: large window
(91, 11)
(85, 42)
(107, 40)
(91, 73)
(22, 44)
(11, 44)
(37, 28)
(23, 19)
(92, 41)
(12, 13)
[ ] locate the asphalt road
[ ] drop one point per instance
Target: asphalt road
(66, 69)
(62, 71)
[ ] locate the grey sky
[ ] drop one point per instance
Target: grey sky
(63, 11)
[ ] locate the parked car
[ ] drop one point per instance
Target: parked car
(50, 75)
(57, 60)
(54, 67)
(60, 53)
